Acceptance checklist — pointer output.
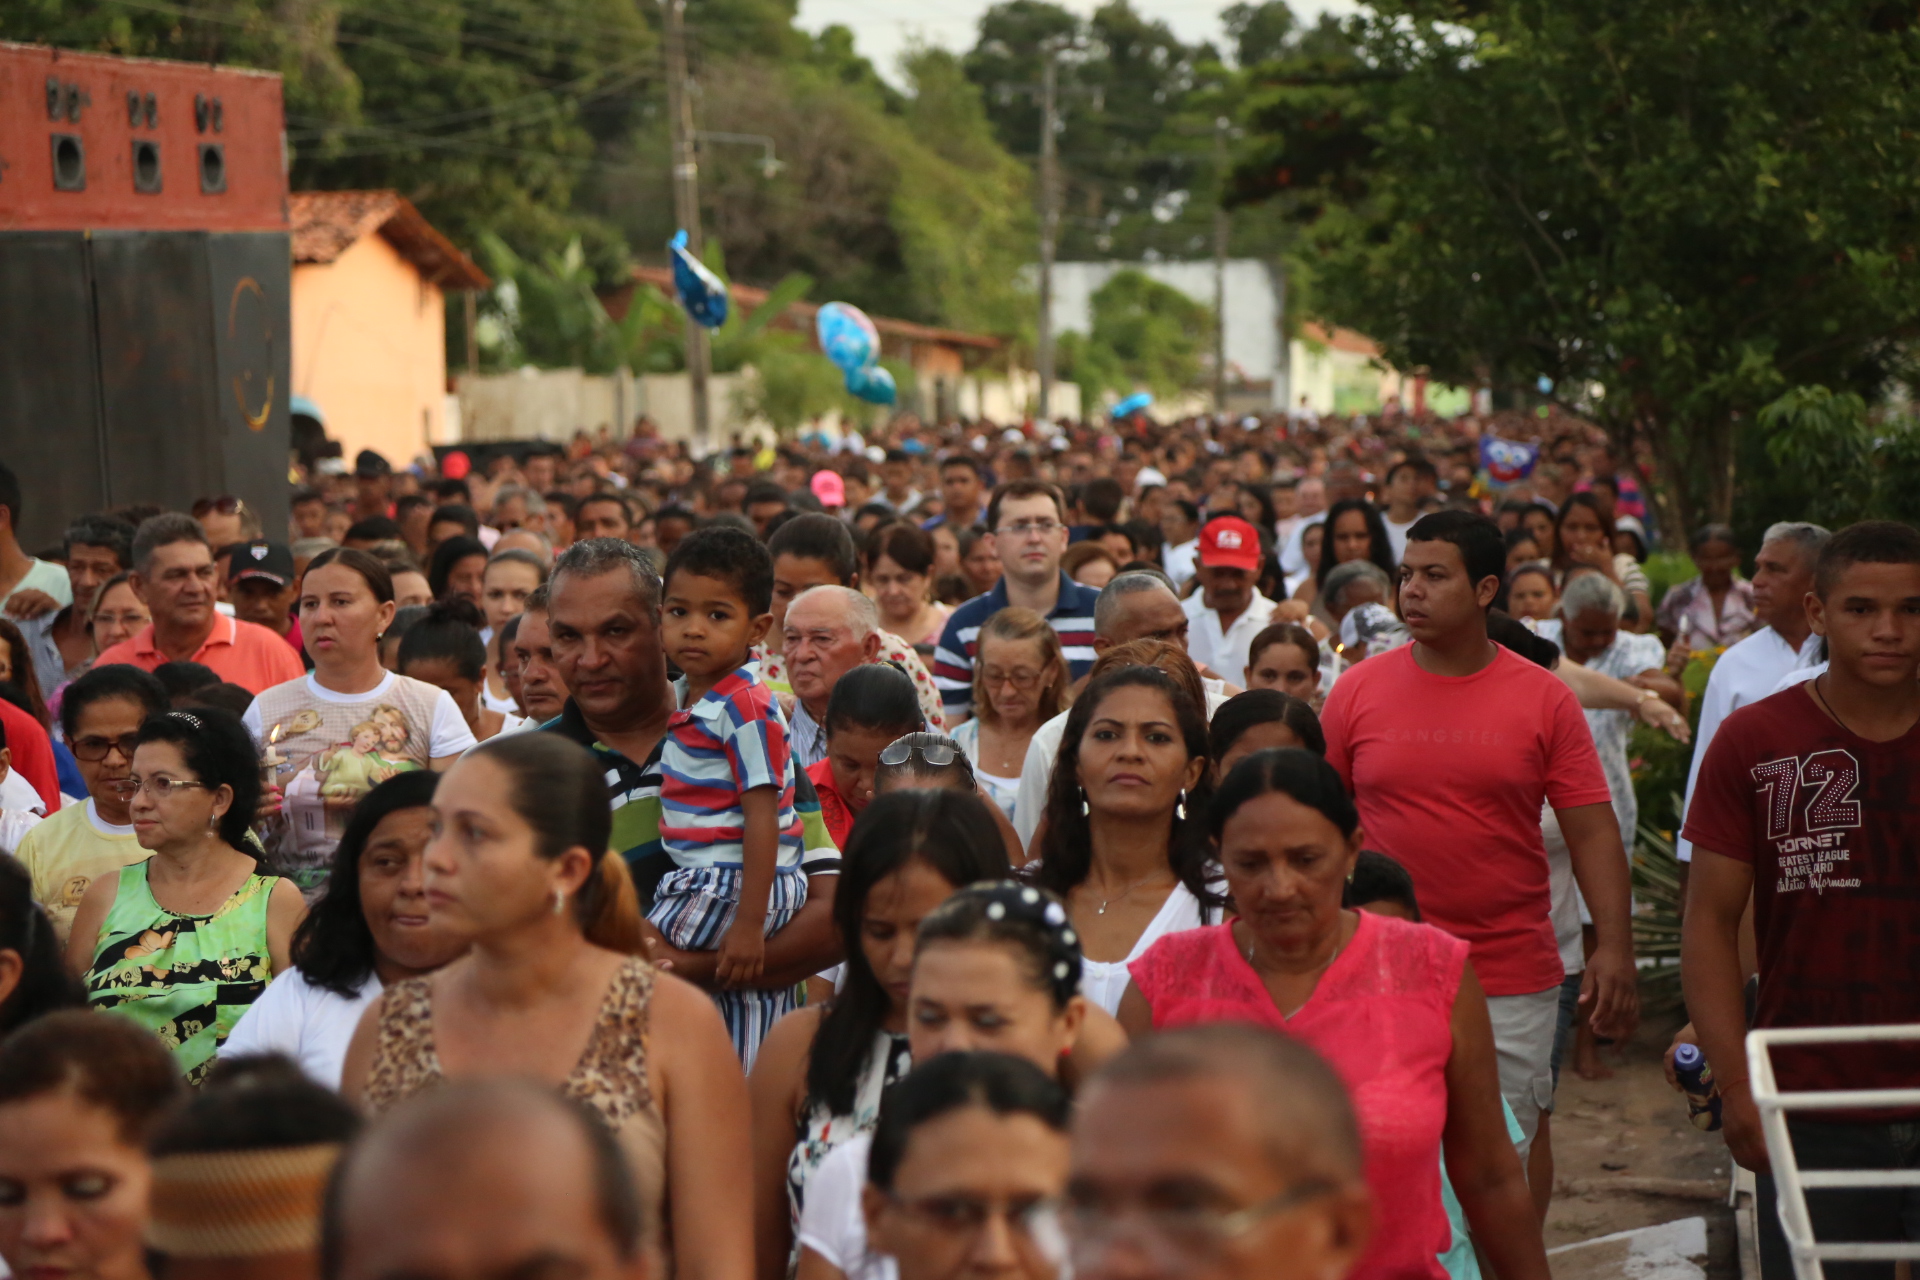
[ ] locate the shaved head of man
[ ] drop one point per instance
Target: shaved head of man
(483, 1181)
(1222, 1152)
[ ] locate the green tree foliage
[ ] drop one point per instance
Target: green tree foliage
(1135, 176)
(486, 113)
(1834, 462)
(1144, 334)
(1674, 214)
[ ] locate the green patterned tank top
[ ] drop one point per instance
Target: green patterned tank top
(185, 978)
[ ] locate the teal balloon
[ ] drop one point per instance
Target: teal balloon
(847, 336)
(872, 384)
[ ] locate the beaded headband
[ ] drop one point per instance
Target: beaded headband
(1009, 901)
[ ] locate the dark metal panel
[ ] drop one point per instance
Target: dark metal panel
(153, 303)
(49, 417)
(251, 278)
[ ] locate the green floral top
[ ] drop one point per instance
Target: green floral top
(185, 978)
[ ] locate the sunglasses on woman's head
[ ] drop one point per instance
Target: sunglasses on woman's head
(937, 754)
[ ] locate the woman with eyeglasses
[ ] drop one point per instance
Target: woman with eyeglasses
(101, 715)
(1123, 839)
(870, 706)
(1392, 1005)
(818, 1078)
(1020, 681)
(184, 942)
(118, 613)
(968, 1147)
(996, 968)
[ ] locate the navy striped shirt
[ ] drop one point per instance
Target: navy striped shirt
(1071, 619)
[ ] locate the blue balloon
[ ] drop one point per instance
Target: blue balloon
(872, 384)
(847, 337)
(702, 293)
(1132, 404)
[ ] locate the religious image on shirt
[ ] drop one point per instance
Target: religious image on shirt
(324, 757)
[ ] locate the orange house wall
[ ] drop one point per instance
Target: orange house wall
(369, 347)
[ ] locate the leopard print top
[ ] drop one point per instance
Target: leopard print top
(610, 1077)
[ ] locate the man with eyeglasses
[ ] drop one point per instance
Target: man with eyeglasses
(1028, 524)
(175, 575)
(1225, 1151)
(100, 714)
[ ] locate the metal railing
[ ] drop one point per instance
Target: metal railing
(1791, 1183)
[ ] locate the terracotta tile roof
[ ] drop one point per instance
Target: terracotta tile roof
(1339, 339)
(800, 315)
(327, 223)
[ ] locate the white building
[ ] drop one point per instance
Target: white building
(1255, 308)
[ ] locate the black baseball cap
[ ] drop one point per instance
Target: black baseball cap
(260, 558)
(369, 463)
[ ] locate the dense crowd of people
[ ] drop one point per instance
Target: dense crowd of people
(1131, 850)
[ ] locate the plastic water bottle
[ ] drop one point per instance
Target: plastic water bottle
(1696, 1078)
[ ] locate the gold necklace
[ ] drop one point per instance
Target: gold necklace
(1340, 944)
(1124, 892)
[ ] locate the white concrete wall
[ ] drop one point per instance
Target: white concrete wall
(545, 404)
(1255, 308)
(1006, 401)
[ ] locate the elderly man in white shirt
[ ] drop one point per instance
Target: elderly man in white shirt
(1228, 611)
(1759, 665)
(828, 632)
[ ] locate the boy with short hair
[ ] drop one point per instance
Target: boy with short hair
(727, 778)
(1804, 803)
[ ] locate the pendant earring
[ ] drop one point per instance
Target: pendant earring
(559, 901)
(1085, 810)
(1180, 805)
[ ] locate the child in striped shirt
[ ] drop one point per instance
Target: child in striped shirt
(726, 789)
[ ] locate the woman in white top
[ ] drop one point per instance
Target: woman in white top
(820, 1072)
(349, 724)
(996, 969)
(1123, 840)
(372, 928)
(1020, 681)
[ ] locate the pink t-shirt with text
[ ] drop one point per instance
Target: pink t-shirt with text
(1449, 773)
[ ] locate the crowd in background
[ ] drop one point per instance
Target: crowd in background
(1132, 848)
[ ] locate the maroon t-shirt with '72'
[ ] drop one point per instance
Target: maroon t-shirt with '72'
(1831, 825)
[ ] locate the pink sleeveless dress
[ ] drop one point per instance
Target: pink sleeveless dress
(1382, 1016)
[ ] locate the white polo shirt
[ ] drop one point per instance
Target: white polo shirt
(1224, 651)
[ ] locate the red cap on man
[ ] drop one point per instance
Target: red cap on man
(1230, 543)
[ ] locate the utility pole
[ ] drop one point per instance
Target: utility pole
(686, 198)
(1049, 217)
(1220, 223)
